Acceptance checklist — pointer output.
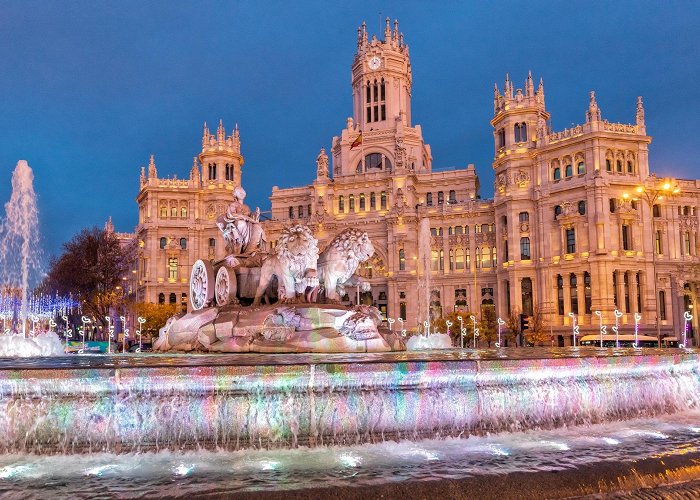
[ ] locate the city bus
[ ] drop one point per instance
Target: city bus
(625, 340)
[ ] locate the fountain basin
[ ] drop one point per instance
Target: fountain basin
(130, 403)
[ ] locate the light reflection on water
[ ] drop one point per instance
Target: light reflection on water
(204, 472)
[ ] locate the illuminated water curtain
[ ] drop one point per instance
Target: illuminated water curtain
(41, 310)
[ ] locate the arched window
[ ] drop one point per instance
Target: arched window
(173, 298)
(375, 161)
(452, 197)
(569, 170)
(501, 138)
(523, 132)
(452, 259)
(402, 259)
(161, 298)
(183, 212)
(429, 199)
(516, 132)
(362, 202)
(656, 210)
(341, 204)
(173, 212)
(484, 228)
(212, 171)
(467, 259)
(560, 295)
(163, 242)
(618, 164)
(477, 257)
(485, 257)
(557, 211)
(573, 285)
(505, 251)
(383, 200)
(525, 248)
(351, 202)
(477, 228)
(434, 257)
(163, 212)
(291, 212)
(183, 243)
(582, 207)
(608, 165)
(212, 243)
(557, 173)
(441, 198)
(459, 259)
(300, 211)
(630, 167)
(459, 230)
(581, 168)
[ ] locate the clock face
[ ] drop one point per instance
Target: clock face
(374, 63)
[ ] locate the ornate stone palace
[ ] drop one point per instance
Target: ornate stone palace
(577, 224)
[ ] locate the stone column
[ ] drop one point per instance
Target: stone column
(567, 296)
(620, 289)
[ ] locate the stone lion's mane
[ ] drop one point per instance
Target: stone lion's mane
(350, 239)
(298, 264)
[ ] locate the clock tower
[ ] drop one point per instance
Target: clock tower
(381, 80)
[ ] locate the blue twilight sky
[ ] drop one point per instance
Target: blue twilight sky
(89, 89)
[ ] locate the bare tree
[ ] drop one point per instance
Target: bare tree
(91, 268)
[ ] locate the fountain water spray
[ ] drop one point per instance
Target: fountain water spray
(141, 321)
(616, 328)
(19, 237)
(500, 324)
(476, 330)
(424, 269)
(603, 328)
(574, 326)
(687, 318)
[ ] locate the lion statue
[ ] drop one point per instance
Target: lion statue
(293, 263)
(339, 261)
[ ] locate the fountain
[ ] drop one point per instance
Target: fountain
(19, 259)
(308, 284)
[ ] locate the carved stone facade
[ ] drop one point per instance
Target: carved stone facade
(565, 232)
(177, 218)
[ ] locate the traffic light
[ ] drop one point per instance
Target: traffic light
(524, 322)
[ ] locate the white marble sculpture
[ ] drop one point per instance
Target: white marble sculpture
(339, 261)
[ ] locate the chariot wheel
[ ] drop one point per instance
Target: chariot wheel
(226, 286)
(201, 284)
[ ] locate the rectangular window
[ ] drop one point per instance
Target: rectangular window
(291, 212)
(626, 290)
(372, 201)
(587, 292)
(573, 290)
(626, 240)
(570, 240)
(658, 244)
(441, 198)
(402, 260)
(459, 259)
(402, 310)
(662, 305)
(560, 295)
(383, 200)
(172, 268)
(686, 242)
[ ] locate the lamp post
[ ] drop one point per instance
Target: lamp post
(652, 191)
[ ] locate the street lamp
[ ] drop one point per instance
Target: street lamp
(652, 191)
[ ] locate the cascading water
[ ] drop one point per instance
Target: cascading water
(93, 405)
(19, 243)
(424, 269)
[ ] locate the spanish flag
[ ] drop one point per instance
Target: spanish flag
(356, 142)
